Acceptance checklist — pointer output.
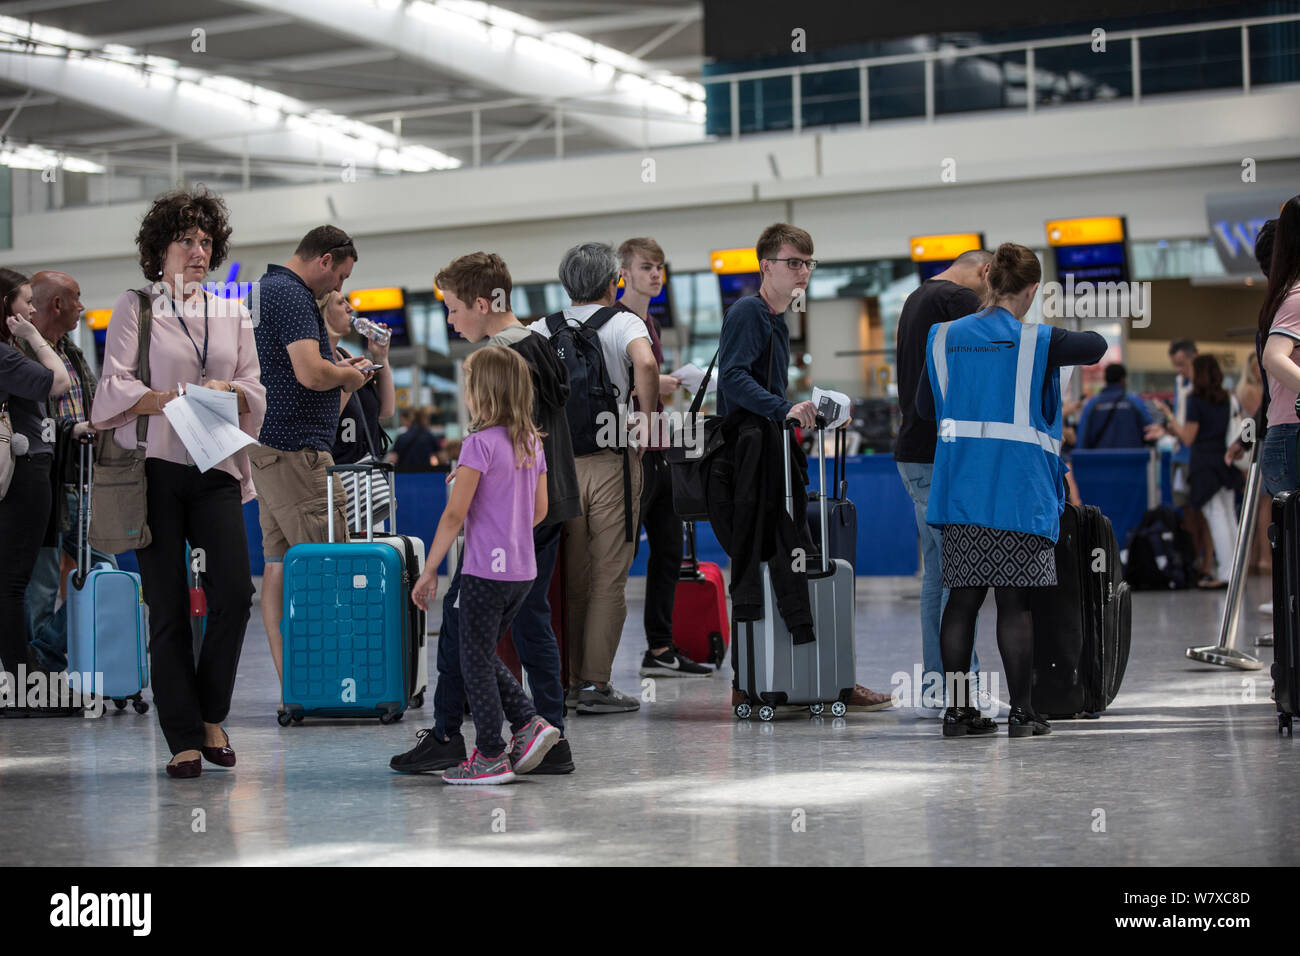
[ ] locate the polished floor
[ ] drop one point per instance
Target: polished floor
(1185, 769)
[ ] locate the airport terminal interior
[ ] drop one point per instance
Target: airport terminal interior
(1135, 159)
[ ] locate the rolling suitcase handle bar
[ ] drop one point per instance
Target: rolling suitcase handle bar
(691, 554)
(820, 441)
(84, 487)
(369, 469)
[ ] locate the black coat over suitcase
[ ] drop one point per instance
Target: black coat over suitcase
(841, 513)
(1284, 536)
(1083, 626)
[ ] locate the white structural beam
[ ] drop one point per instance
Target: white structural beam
(172, 32)
(221, 113)
(503, 51)
(632, 20)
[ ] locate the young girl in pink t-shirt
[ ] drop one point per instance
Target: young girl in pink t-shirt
(499, 497)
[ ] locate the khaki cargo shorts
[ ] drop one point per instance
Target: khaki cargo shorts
(291, 498)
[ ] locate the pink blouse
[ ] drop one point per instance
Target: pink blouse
(173, 359)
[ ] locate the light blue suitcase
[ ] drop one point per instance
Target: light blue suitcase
(346, 627)
(107, 630)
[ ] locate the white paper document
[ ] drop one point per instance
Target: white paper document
(835, 407)
(691, 375)
(207, 422)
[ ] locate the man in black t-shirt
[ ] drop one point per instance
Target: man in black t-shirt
(950, 295)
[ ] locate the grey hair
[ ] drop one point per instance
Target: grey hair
(587, 270)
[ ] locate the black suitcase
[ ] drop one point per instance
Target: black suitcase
(841, 513)
(1284, 536)
(1083, 626)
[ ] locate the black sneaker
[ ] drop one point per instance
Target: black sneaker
(672, 664)
(1025, 723)
(558, 760)
(966, 722)
(430, 753)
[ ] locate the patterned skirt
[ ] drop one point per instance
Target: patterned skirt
(974, 557)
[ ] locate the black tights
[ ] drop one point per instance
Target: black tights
(1015, 637)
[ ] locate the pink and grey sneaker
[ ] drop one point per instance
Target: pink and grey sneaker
(479, 770)
(530, 745)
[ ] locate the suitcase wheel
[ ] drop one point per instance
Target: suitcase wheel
(816, 709)
(283, 718)
(417, 700)
(140, 706)
(839, 708)
(1284, 724)
(387, 717)
(297, 718)
(743, 711)
(766, 712)
(119, 704)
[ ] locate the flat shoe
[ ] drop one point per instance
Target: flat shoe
(221, 756)
(185, 769)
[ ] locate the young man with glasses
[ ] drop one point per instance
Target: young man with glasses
(744, 359)
(302, 408)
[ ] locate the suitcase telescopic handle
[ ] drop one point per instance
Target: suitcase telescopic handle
(85, 485)
(368, 469)
(821, 468)
(824, 514)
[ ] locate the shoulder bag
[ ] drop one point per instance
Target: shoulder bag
(118, 495)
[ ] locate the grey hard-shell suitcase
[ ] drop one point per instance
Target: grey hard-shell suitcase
(770, 668)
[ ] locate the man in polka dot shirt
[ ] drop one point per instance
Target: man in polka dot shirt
(303, 385)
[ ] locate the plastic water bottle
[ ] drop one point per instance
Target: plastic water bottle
(371, 330)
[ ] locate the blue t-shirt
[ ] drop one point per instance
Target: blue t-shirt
(297, 417)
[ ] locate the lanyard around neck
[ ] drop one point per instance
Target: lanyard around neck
(201, 356)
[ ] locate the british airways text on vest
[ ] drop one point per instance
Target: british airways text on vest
(997, 463)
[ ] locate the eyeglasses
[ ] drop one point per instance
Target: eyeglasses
(796, 264)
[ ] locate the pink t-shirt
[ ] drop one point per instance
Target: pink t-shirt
(499, 525)
(1281, 400)
(174, 357)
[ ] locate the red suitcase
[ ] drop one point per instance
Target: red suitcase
(701, 628)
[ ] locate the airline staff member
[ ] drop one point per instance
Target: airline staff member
(999, 481)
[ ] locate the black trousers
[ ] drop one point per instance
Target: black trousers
(205, 510)
(24, 513)
(663, 530)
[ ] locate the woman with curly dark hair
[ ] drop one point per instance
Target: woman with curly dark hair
(196, 338)
(25, 502)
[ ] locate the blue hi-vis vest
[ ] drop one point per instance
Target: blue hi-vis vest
(997, 463)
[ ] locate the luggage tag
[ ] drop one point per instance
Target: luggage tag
(198, 598)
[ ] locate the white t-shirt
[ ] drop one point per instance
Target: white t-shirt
(614, 337)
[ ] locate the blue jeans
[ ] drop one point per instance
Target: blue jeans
(916, 477)
(1278, 459)
(47, 629)
(535, 643)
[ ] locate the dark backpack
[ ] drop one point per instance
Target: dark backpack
(591, 393)
(592, 396)
(1160, 555)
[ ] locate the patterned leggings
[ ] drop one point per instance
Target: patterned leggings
(486, 609)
